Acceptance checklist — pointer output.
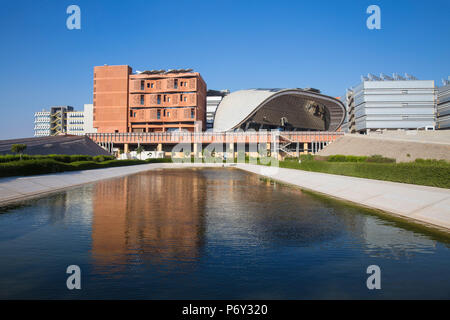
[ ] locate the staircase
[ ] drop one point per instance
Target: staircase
(283, 144)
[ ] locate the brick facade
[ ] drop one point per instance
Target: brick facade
(126, 102)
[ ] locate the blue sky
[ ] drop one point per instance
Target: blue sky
(233, 44)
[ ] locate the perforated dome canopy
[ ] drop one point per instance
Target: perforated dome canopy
(286, 109)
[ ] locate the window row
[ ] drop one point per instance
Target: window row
(165, 98)
(176, 84)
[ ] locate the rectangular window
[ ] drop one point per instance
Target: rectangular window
(192, 113)
(142, 99)
(151, 85)
(142, 84)
(164, 98)
(181, 97)
(131, 113)
(158, 99)
(175, 85)
(148, 85)
(158, 114)
(168, 99)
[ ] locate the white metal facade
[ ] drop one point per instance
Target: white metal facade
(75, 123)
(42, 123)
(443, 107)
(396, 104)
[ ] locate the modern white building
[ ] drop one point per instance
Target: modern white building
(213, 98)
(42, 123)
(443, 106)
(75, 123)
(393, 103)
(51, 123)
(64, 120)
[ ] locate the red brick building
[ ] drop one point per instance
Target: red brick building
(149, 101)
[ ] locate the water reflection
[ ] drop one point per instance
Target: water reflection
(382, 242)
(153, 217)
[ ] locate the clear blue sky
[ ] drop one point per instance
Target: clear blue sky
(233, 44)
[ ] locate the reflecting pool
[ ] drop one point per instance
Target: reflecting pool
(211, 234)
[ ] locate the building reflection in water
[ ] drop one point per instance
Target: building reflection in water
(151, 218)
(162, 218)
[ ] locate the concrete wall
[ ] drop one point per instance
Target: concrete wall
(426, 145)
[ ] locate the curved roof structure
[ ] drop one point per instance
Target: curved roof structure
(289, 109)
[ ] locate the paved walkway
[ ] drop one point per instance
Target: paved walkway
(421, 203)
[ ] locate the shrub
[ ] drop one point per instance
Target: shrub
(31, 167)
(59, 157)
(102, 158)
(42, 166)
(306, 157)
(11, 157)
(374, 158)
(79, 157)
(337, 158)
(380, 159)
(163, 160)
(432, 162)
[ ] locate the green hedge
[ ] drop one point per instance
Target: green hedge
(437, 175)
(374, 158)
(43, 166)
(56, 157)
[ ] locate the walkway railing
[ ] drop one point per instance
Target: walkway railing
(212, 137)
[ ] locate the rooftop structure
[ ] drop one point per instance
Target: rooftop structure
(63, 144)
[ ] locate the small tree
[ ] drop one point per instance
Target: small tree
(139, 150)
(18, 148)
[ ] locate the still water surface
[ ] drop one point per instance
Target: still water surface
(211, 234)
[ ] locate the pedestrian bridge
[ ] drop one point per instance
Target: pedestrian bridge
(289, 142)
